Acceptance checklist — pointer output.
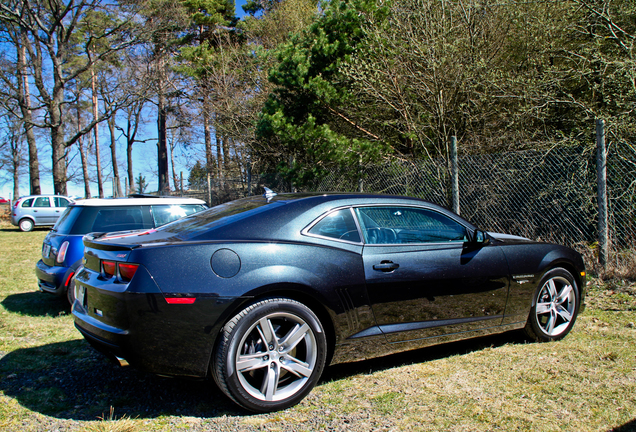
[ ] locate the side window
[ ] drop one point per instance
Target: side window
(61, 202)
(403, 225)
(163, 214)
(118, 219)
(27, 202)
(338, 225)
(42, 202)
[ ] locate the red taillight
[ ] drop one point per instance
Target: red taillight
(127, 271)
(180, 300)
(123, 271)
(109, 268)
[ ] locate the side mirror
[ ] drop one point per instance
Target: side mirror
(481, 238)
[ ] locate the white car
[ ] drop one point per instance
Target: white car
(38, 210)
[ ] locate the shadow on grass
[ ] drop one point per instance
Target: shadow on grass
(37, 304)
(70, 380)
(422, 355)
(15, 229)
(627, 427)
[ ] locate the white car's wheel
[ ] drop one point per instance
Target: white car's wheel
(25, 225)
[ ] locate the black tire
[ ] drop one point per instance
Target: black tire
(70, 288)
(555, 306)
(273, 375)
(26, 225)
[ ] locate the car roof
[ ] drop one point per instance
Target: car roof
(102, 202)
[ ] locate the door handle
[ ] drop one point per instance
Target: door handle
(386, 266)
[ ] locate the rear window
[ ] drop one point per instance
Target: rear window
(118, 219)
(82, 220)
(163, 214)
(66, 223)
(220, 215)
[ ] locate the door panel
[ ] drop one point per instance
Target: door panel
(43, 212)
(422, 289)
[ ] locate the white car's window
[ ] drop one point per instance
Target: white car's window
(42, 202)
(61, 202)
(400, 225)
(27, 202)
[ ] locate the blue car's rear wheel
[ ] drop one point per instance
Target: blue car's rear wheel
(270, 355)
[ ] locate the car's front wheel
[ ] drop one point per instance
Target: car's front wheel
(25, 225)
(555, 306)
(270, 355)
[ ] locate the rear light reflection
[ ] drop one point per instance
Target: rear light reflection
(122, 271)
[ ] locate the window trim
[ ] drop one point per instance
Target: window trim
(308, 228)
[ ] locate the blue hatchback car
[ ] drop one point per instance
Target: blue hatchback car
(63, 250)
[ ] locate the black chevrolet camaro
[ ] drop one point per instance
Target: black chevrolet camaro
(263, 292)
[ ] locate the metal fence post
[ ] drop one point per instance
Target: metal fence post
(454, 175)
(601, 181)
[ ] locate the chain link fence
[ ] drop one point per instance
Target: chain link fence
(549, 196)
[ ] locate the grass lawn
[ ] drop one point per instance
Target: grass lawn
(50, 379)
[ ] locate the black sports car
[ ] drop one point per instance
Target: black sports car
(263, 292)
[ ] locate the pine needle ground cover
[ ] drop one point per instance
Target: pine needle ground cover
(50, 379)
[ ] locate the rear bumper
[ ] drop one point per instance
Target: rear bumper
(50, 279)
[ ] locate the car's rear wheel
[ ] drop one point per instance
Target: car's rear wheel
(25, 225)
(555, 306)
(70, 289)
(270, 355)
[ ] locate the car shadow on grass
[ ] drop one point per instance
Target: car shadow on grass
(16, 229)
(422, 355)
(70, 380)
(37, 304)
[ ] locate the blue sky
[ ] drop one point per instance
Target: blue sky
(144, 160)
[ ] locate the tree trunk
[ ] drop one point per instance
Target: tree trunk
(131, 177)
(162, 148)
(27, 117)
(207, 136)
(58, 149)
(175, 179)
(98, 160)
(15, 154)
(83, 158)
(113, 153)
(219, 159)
(226, 155)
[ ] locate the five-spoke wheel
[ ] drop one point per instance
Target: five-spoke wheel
(555, 306)
(271, 355)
